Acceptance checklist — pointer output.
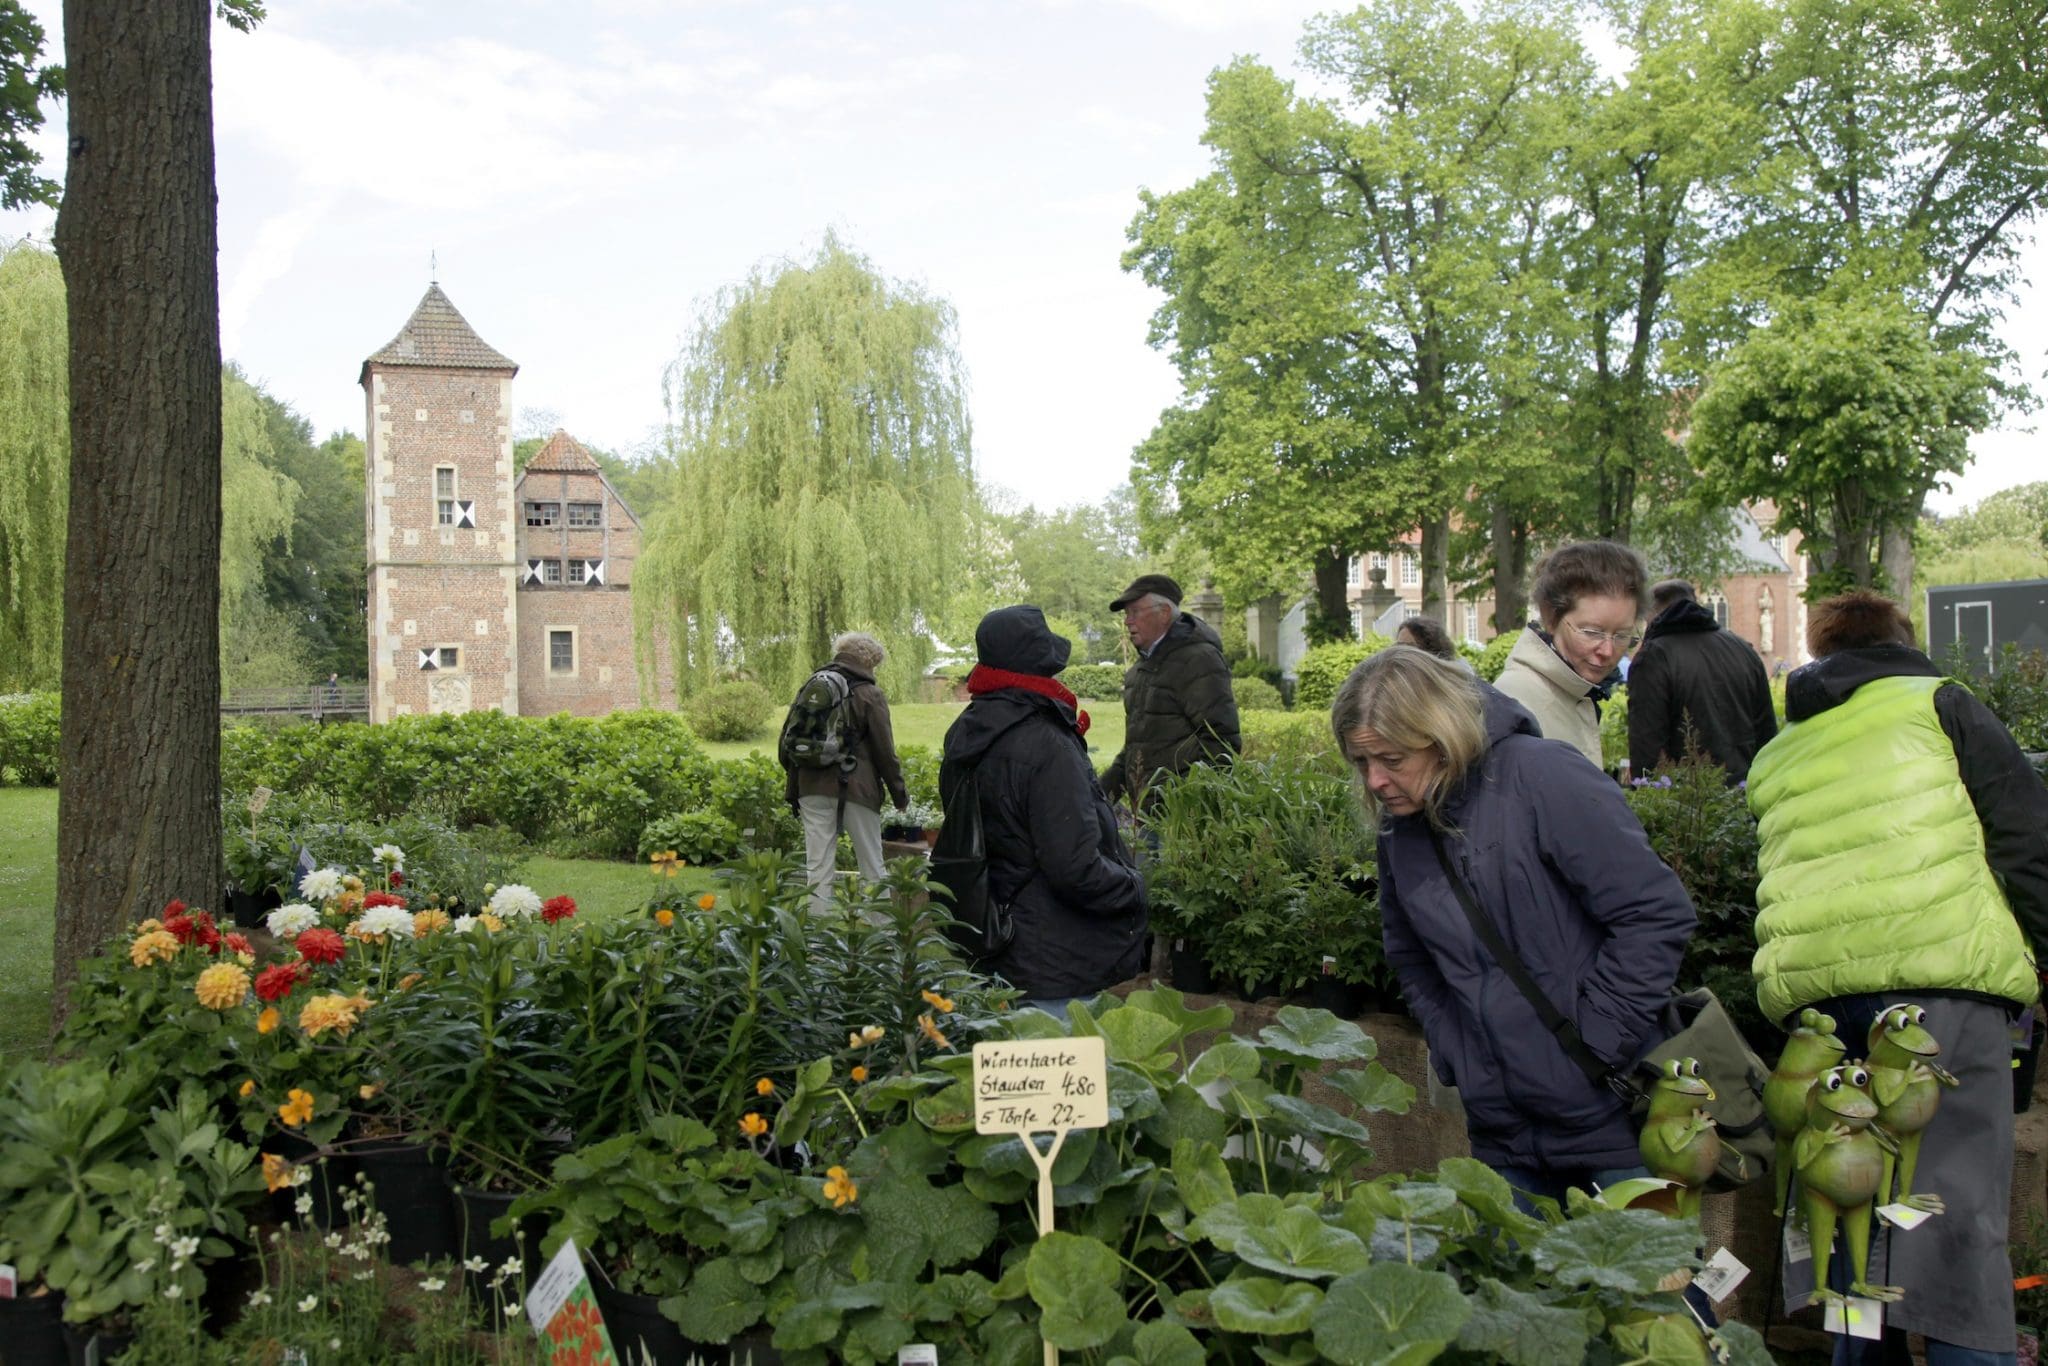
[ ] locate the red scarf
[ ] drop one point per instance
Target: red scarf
(985, 679)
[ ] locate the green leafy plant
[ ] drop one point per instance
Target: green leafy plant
(1256, 694)
(1095, 682)
(701, 837)
(29, 737)
(1323, 669)
(2015, 691)
(737, 710)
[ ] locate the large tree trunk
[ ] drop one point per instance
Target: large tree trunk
(139, 797)
(1333, 585)
(1436, 562)
(1510, 569)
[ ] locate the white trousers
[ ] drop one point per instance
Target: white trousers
(821, 843)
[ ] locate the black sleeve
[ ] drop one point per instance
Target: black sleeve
(1649, 712)
(2011, 804)
(1763, 716)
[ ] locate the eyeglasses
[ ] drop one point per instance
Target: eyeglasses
(1594, 637)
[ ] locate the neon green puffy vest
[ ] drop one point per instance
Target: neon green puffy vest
(1872, 859)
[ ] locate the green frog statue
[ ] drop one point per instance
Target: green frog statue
(1812, 1050)
(1906, 1084)
(1679, 1141)
(1842, 1161)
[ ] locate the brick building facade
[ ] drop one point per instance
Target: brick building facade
(479, 598)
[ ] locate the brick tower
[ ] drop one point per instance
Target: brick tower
(443, 577)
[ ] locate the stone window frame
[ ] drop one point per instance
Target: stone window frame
(551, 572)
(550, 634)
(445, 499)
(536, 513)
(577, 573)
(594, 511)
(1411, 570)
(448, 657)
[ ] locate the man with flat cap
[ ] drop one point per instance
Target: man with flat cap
(1178, 706)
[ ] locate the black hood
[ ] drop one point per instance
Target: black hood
(1016, 639)
(1679, 618)
(1827, 682)
(987, 717)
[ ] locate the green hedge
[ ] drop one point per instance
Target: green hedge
(1325, 667)
(29, 739)
(1256, 694)
(1096, 682)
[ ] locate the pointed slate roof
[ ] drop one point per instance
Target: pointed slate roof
(438, 337)
(563, 454)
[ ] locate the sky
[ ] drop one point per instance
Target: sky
(583, 180)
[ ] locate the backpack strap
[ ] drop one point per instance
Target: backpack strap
(1561, 1028)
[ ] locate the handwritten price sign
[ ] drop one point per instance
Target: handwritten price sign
(1040, 1085)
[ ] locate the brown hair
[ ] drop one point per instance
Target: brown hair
(1414, 700)
(1427, 635)
(1668, 592)
(1586, 569)
(1856, 621)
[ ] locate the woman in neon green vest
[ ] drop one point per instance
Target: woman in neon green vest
(1904, 861)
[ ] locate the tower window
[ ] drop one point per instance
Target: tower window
(561, 652)
(579, 570)
(444, 495)
(586, 514)
(550, 571)
(543, 514)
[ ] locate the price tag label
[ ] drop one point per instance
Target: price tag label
(1859, 1318)
(1798, 1247)
(7, 1281)
(1028, 1086)
(918, 1354)
(565, 1315)
(1903, 1216)
(1721, 1275)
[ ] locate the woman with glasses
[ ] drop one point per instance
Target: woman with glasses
(1589, 600)
(1493, 844)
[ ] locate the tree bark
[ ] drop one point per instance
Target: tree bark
(139, 796)
(1436, 568)
(1510, 569)
(1331, 569)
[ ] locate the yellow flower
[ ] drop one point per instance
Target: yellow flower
(860, 1074)
(664, 917)
(368, 1091)
(425, 923)
(937, 1002)
(931, 1031)
(706, 902)
(410, 980)
(348, 903)
(352, 883)
(277, 1173)
(872, 1033)
(764, 1087)
(356, 932)
(297, 1107)
(267, 1021)
(222, 986)
(752, 1125)
(153, 946)
(490, 922)
(839, 1187)
(248, 1089)
(337, 1013)
(662, 862)
(247, 960)
(150, 924)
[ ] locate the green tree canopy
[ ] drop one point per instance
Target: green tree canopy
(819, 425)
(23, 88)
(35, 463)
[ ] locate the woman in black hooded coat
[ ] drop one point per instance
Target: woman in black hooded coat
(1054, 855)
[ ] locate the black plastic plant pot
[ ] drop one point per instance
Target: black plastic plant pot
(641, 1332)
(410, 1189)
(245, 908)
(1346, 1000)
(32, 1330)
(477, 1210)
(79, 1340)
(1190, 971)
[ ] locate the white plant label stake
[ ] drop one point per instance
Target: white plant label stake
(1035, 1086)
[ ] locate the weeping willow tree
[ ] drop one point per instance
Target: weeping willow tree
(258, 647)
(818, 420)
(35, 461)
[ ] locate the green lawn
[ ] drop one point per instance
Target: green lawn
(924, 723)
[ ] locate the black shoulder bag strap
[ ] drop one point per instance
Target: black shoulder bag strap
(1561, 1028)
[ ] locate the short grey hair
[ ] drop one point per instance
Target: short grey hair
(859, 649)
(1161, 600)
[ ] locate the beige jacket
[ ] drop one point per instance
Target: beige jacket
(1561, 701)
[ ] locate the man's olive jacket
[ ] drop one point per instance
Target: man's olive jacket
(1178, 710)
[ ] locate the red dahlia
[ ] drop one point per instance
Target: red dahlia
(397, 878)
(237, 943)
(383, 899)
(321, 945)
(276, 982)
(557, 908)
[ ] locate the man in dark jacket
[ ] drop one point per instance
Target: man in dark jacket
(1179, 709)
(850, 798)
(1693, 676)
(1054, 856)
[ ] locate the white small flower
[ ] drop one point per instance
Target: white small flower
(363, 1275)
(163, 1233)
(432, 1284)
(309, 1304)
(387, 920)
(145, 1266)
(475, 1264)
(171, 1292)
(512, 1310)
(259, 1298)
(390, 855)
(334, 1344)
(304, 1205)
(288, 922)
(185, 1248)
(332, 1240)
(462, 923)
(322, 884)
(515, 901)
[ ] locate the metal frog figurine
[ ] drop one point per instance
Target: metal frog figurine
(1906, 1085)
(1842, 1160)
(1811, 1051)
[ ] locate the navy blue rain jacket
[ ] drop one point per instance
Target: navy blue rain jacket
(1561, 866)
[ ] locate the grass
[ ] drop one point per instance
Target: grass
(925, 723)
(28, 897)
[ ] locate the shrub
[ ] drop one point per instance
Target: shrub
(29, 737)
(2016, 691)
(1096, 682)
(1325, 667)
(920, 772)
(750, 793)
(1256, 694)
(1300, 735)
(698, 837)
(730, 711)
(1489, 659)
